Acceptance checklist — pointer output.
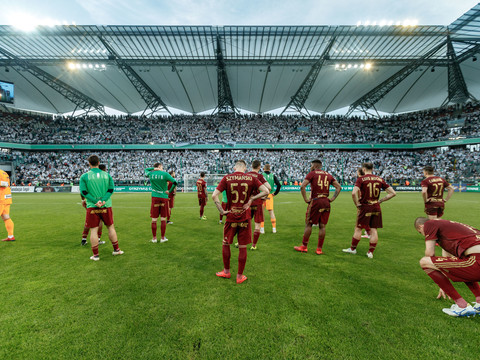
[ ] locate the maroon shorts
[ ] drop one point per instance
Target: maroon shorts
(459, 269)
(257, 213)
(243, 230)
(202, 201)
(318, 211)
(171, 202)
(369, 216)
(94, 215)
(159, 208)
(435, 208)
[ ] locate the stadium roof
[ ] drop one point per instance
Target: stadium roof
(323, 67)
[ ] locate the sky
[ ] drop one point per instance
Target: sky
(232, 12)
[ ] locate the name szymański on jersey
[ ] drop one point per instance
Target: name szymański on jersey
(435, 180)
(367, 178)
(239, 177)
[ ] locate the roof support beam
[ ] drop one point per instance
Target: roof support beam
(153, 101)
(73, 95)
(297, 102)
(369, 100)
(457, 88)
(225, 100)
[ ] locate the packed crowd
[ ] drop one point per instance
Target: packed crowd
(422, 126)
(127, 167)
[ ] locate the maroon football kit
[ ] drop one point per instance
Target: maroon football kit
(455, 238)
(257, 205)
(318, 211)
(435, 204)
(370, 213)
(239, 188)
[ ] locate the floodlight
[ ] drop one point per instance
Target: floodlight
(368, 66)
(71, 66)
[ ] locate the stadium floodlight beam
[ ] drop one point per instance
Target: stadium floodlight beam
(368, 101)
(297, 102)
(153, 101)
(73, 95)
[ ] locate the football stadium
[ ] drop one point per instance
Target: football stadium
(293, 190)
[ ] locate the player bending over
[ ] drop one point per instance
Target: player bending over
(268, 203)
(239, 187)
(5, 202)
(159, 180)
(100, 225)
(365, 195)
(318, 210)
(171, 197)
(257, 205)
(460, 260)
(97, 188)
(202, 194)
(432, 193)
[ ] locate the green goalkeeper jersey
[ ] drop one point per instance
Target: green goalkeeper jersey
(270, 179)
(97, 185)
(158, 180)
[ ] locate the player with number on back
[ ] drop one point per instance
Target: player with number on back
(257, 205)
(160, 203)
(432, 193)
(202, 194)
(369, 213)
(460, 261)
(96, 186)
(239, 187)
(318, 210)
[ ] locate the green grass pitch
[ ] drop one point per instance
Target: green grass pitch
(163, 301)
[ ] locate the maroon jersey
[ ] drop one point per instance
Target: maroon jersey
(435, 186)
(239, 188)
(319, 183)
(201, 188)
(370, 186)
(172, 194)
(452, 236)
(262, 180)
